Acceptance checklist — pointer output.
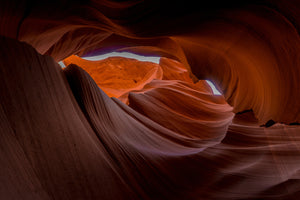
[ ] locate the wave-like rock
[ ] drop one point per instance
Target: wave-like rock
(165, 136)
(64, 138)
(253, 45)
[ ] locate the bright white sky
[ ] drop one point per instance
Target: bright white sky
(126, 55)
(213, 87)
(138, 57)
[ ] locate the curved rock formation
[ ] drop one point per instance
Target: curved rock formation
(125, 129)
(117, 76)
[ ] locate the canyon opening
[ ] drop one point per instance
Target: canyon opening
(149, 100)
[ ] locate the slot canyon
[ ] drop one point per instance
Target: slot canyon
(122, 128)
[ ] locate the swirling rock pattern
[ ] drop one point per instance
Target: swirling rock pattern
(125, 129)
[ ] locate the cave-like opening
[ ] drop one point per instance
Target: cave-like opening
(153, 59)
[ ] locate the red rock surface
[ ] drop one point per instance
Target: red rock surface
(116, 75)
(164, 137)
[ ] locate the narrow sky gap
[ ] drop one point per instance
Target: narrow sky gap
(153, 59)
(213, 87)
(61, 63)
